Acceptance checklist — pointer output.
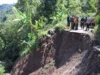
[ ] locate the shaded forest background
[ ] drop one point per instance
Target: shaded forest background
(22, 25)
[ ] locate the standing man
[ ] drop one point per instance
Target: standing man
(82, 22)
(88, 22)
(74, 22)
(68, 22)
(76, 28)
(85, 20)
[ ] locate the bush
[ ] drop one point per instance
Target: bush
(1, 69)
(97, 28)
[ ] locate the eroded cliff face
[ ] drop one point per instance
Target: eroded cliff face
(60, 53)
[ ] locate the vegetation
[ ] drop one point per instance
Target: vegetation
(22, 25)
(97, 28)
(2, 69)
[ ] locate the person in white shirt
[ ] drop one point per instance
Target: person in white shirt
(88, 22)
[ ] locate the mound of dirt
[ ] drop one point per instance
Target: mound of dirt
(60, 53)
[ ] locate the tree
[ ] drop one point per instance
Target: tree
(88, 5)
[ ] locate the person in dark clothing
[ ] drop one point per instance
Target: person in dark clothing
(76, 23)
(73, 22)
(82, 23)
(85, 24)
(68, 22)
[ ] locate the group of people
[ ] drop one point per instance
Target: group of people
(73, 22)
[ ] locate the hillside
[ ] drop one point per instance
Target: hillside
(64, 53)
(5, 9)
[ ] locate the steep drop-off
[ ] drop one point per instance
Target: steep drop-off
(60, 53)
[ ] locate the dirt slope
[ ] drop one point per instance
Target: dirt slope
(60, 53)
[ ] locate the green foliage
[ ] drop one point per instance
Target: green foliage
(29, 45)
(97, 28)
(98, 19)
(2, 69)
(88, 5)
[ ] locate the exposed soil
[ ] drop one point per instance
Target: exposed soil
(61, 53)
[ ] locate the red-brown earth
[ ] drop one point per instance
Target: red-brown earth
(61, 53)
